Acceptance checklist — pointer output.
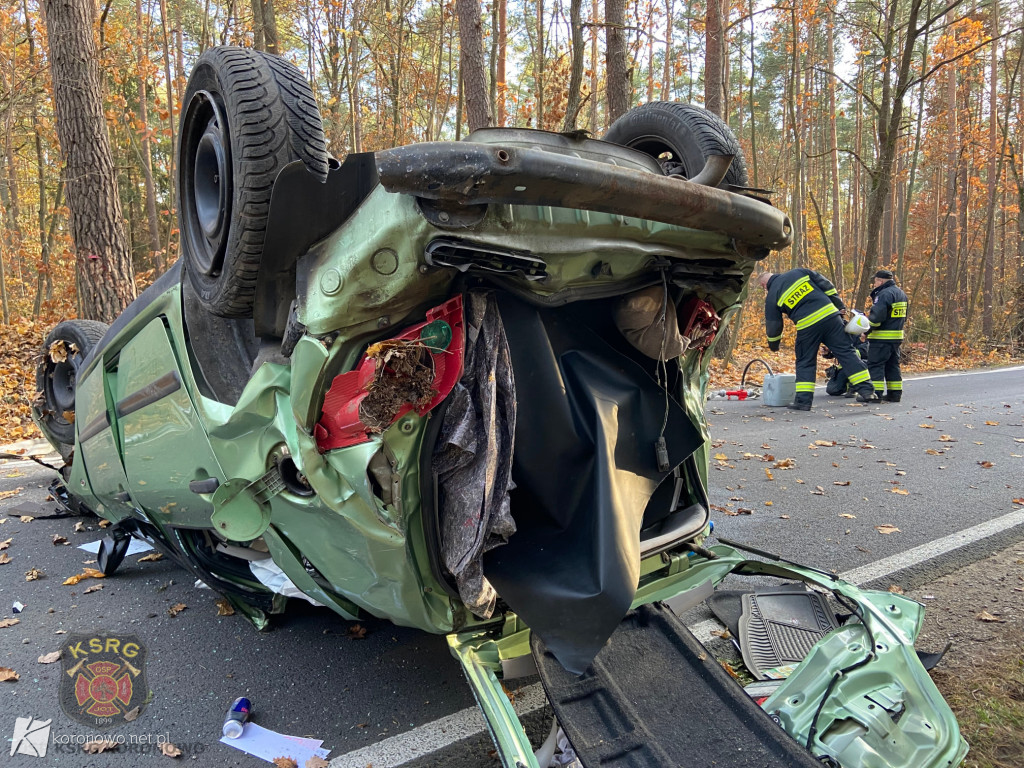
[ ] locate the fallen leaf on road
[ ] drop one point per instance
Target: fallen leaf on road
(94, 588)
(767, 418)
(100, 745)
(947, 439)
(825, 442)
(784, 517)
(26, 518)
(847, 515)
(8, 675)
(900, 473)
(169, 750)
(784, 464)
(841, 482)
(132, 713)
(896, 590)
(725, 634)
(992, 423)
(768, 474)
(79, 527)
(88, 573)
(5, 543)
(986, 616)
(933, 452)
(867, 446)
(859, 548)
(103, 523)
(356, 632)
(1019, 501)
(800, 481)
(4, 558)
(33, 573)
(1016, 440)
(58, 539)
(284, 762)
(735, 498)
(316, 762)
(900, 491)
(818, 491)
(152, 557)
(986, 464)
(224, 608)
(49, 658)
(175, 609)
(887, 528)
(769, 503)
(721, 456)
(835, 465)
(9, 623)
(926, 426)
(9, 494)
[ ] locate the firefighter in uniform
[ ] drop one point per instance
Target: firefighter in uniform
(887, 316)
(813, 304)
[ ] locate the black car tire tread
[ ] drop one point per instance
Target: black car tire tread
(272, 121)
(691, 133)
(84, 334)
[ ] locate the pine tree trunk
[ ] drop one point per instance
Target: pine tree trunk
(106, 283)
(617, 76)
(471, 64)
(574, 101)
(714, 47)
(147, 154)
(990, 235)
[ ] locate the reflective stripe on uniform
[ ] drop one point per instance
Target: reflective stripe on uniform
(884, 335)
(833, 292)
(859, 376)
(818, 314)
(795, 292)
(894, 384)
(878, 385)
(805, 386)
(775, 338)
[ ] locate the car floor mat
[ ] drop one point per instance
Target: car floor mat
(779, 628)
(655, 698)
(727, 604)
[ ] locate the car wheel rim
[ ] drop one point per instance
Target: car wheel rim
(206, 186)
(62, 386)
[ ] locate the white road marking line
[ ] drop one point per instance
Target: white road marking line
(434, 736)
(968, 373)
(440, 734)
(933, 549)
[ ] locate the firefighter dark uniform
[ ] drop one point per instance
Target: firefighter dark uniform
(887, 316)
(813, 305)
(838, 383)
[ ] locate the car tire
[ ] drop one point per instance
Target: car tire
(246, 116)
(680, 135)
(56, 380)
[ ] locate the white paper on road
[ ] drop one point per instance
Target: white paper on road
(267, 745)
(136, 547)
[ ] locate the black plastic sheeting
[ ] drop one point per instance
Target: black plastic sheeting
(585, 468)
(473, 455)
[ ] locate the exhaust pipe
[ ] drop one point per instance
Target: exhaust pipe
(714, 170)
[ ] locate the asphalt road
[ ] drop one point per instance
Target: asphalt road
(309, 677)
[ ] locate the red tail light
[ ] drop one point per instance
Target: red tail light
(441, 339)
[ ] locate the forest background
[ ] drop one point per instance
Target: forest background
(890, 131)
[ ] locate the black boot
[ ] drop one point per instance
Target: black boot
(893, 397)
(802, 401)
(868, 395)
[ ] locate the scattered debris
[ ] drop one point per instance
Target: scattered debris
(886, 528)
(99, 745)
(169, 750)
(5, 623)
(8, 675)
(49, 658)
(986, 616)
(175, 609)
(88, 573)
(224, 608)
(58, 540)
(32, 574)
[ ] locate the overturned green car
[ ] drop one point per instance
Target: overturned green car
(460, 386)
